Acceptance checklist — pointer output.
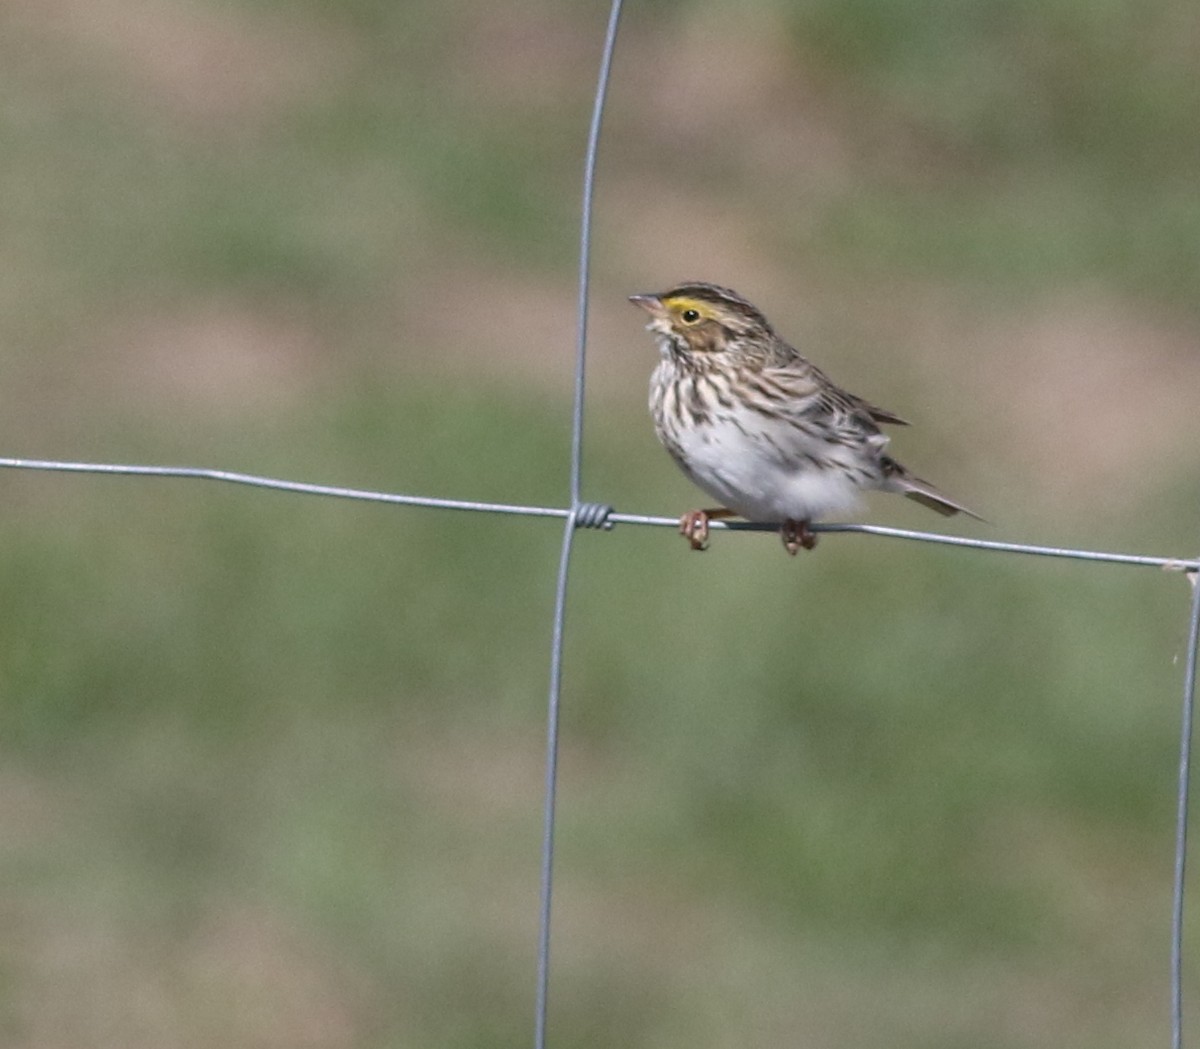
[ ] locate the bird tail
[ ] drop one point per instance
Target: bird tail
(923, 492)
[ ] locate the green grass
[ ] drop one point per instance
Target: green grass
(332, 713)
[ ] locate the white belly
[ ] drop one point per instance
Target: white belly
(751, 477)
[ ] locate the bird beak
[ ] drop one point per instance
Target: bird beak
(652, 304)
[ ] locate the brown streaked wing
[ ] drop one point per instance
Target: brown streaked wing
(847, 412)
(799, 382)
(836, 400)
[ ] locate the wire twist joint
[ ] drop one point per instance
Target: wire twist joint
(594, 515)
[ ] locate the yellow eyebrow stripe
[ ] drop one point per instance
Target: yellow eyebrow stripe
(681, 302)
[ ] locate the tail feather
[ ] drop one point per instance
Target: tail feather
(926, 496)
(923, 492)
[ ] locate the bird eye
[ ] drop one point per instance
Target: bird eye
(690, 316)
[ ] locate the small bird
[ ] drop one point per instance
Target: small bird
(760, 428)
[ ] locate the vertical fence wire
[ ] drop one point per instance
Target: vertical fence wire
(1181, 819)
(564, 563)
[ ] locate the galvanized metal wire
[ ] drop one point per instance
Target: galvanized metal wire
(1181, 818)
(602, 516)
(590, 516)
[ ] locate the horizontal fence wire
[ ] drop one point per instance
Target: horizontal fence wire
(580, 514)
(587, 515)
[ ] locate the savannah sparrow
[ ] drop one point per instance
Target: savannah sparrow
(758, 427)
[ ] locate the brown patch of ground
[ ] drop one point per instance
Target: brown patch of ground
(523, 58)
(217, 69)
(1094, 396)
(243, 978)
(731, 78)
(478, 319)
(221, 353)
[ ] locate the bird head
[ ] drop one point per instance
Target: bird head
(696, 318)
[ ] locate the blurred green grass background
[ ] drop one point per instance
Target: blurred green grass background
(272, 766)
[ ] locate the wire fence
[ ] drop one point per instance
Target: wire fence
(579, 514)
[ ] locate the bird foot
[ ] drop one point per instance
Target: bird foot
(693, 526)
(796, 534)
